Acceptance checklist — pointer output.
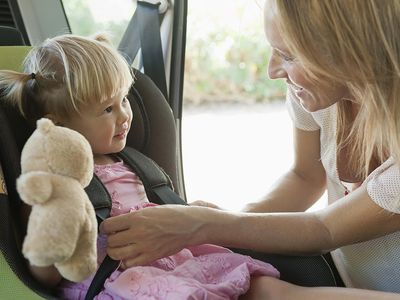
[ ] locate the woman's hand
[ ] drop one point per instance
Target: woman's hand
(143, 236)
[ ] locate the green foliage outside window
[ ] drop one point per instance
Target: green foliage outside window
(83, 22)
(221, 65)
(228, 66)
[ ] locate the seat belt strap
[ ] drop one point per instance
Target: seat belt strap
(156, 182)
(104, 271)
(150, 38)
(100, 198)
(167, 195)
(158, 188)
(101, 201)
(143, 32)
(130, 42)
(152, 175)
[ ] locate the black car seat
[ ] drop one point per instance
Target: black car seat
(10, 36)
(15, 279)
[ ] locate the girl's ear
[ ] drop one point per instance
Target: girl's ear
(54, 119)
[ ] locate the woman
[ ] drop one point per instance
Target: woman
(341, 62)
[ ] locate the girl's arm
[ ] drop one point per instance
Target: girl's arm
(48, 276)
(304, 184)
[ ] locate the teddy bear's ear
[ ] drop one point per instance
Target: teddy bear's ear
(44, 124)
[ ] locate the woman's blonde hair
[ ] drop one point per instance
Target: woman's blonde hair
(355, 43)
(64, 73)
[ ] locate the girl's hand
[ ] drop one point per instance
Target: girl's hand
(140, 237)
(48, 276)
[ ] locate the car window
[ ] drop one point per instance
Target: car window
(87, 17)
(236, 132)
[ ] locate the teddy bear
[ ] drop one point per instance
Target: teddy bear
(56, 166)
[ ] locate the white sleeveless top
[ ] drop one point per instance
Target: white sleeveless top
(374, 264)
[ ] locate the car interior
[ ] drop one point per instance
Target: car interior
(156, 101)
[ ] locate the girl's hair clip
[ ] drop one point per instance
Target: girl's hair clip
(33, 75)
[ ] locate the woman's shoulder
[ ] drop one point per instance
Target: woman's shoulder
(383, 185)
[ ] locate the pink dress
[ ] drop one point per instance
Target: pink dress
(200, 272)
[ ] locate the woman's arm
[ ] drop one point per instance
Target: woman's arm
(304, 184)
(352, 219)
(143, 236)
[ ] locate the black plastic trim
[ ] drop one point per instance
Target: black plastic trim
(18, 21)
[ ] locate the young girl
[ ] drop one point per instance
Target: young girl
(82, 83)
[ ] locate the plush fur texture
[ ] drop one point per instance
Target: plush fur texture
(56, 165)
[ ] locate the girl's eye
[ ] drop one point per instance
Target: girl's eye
(108, 109)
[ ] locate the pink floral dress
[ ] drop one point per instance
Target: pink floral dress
(201, 272)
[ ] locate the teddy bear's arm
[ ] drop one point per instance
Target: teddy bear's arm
(35, 187)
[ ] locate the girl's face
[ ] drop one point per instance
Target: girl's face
(105, 125)
(283, 65)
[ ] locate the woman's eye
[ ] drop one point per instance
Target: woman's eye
(108, 109)
(286, 57)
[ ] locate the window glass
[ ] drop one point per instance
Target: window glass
(236, 132)
(87, 17)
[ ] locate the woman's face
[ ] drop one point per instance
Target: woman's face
(283, 65)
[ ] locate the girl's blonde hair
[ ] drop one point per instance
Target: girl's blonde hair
(64, 73)
(355, 43)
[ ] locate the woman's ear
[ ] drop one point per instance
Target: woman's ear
(54, 119)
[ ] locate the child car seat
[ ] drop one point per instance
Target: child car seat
(13, 282)
(153, 134)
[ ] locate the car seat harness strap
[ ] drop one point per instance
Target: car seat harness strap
(158, 188)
